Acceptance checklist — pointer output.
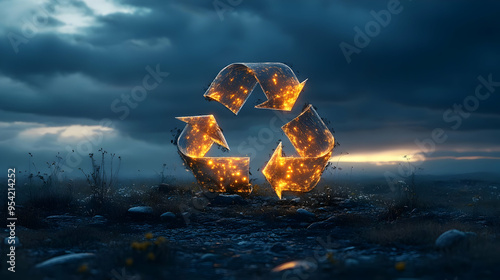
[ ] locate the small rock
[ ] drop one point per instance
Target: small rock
(209, 257)
(245, 243)
(141, 210)
(12, 241)
(98, 220)
(296, 200)
(61, 217)
(302, 211)
(167, 216)
(227, 200)
(351, 262)
(326, 224)
(64, 260)
(141, 213)
(349, 248)
(452, 239)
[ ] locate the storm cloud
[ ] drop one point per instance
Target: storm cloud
(69, 64)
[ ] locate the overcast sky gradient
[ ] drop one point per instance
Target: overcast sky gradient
(64, 66)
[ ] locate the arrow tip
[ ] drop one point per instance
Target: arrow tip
(272, 168)
(285, 97)
(278, 192)
(208, 125)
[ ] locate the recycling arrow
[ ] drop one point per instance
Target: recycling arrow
(217, 174)
(234, 84)
(313, 142)
(307, 132)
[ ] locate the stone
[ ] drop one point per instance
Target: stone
(351, 262)
(302, 211)
(141, 210)
(452, 239)
(141, 213)
(61, 217)
(329, 223)
(168, 217)
(65, 260)
(98, 220)
(209, 257)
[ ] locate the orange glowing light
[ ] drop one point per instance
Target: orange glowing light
(234, 84)
(217, 174)
(313, 142)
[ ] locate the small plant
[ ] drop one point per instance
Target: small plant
(99, 180)
(163, 177)
(49, 180)
(475, 205)
(407, 190)
(45, 190)
(406, 197)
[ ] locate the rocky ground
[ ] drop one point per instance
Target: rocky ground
(324, 234)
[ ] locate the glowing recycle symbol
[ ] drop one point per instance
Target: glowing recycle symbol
(308, 134)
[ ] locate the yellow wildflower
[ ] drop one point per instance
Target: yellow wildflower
(140, 246)
(160, 240)
(400, 266)
(83, 268)
(151, 256)
(330, 257)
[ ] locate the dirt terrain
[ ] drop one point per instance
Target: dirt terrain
(356, 231)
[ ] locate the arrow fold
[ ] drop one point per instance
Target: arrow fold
(314, 143)
(217, 174)
(234, 84)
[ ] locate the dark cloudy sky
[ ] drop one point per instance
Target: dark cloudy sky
(67, 68)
